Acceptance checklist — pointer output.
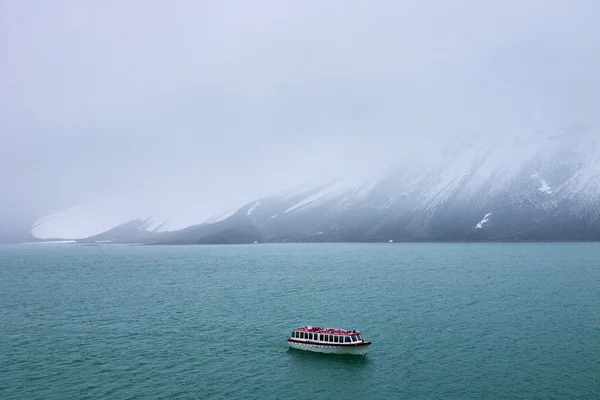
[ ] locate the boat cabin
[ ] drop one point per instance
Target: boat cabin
(327, 336)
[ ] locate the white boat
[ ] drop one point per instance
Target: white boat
(328, 340)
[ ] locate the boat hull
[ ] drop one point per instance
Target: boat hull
(323, 348)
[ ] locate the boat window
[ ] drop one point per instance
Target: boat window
(347, 339)
(296, 334)
(321, 337)
(335, 339)
(301, 335)
(310, 336)
(354, 339)
(360, 337)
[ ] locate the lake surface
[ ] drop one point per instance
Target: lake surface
(447, 321)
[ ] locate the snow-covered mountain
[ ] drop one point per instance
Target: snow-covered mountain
(538, 187)
(106, 213)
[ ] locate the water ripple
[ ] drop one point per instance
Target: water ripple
(447, 321)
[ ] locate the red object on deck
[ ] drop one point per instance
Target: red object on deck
(329, 331)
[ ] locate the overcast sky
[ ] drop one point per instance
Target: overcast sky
(223, 101)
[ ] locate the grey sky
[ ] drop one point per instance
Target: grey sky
(225, 101)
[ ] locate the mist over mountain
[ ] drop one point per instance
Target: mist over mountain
(537, 187)
(153, 122)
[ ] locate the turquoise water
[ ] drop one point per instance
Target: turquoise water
(452, 321)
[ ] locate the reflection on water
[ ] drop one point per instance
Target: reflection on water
(311, 359)
(340, 373)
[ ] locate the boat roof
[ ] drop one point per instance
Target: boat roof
(331, 331)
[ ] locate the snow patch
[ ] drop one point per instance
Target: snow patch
(253, 207)
(336, 189)
(295, 191)
(87, 220)
(483, 221)
(77, 223)
(221, 217)
(544, 185)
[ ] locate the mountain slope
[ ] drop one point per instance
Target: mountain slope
(539, 187)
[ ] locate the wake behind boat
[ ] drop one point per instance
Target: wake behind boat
(328, 340)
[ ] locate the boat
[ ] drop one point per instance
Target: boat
(328, 340)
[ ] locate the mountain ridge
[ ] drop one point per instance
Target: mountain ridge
(538, 188)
